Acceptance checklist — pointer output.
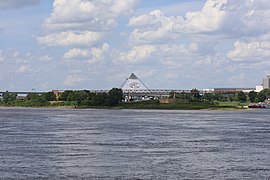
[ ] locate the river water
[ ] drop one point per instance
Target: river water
(134, 144)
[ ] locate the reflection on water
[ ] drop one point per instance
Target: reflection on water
(134, 144)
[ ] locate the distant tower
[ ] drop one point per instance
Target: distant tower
(266, 82)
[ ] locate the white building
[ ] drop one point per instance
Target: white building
(259, 88)
(133, 84)
(266, 82)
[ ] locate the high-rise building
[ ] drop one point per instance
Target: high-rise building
(266, 82)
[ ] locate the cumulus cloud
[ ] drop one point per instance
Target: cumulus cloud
(250, 51)
(83, 22)
(87, 14)
(17, 3)
(93, 55)
(98, 54)
(207, 20)
(151, 27)
(157, 26)
(76, 53)
(137, 54)
(9, 54)
(246, 18)
(160, 52)
(72, 80)
(85, 38)
(153, 18)
(227, 18)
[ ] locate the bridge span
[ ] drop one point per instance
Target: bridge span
(146, 92)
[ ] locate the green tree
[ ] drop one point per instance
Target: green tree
(64, 95)
(196, 93)
(218, 96)
(262, 95)
(9, 97)
(99, 99)
(49, 96)
(241, 96)
(209, 96)
(115, 96)
(252, 95)
(80, 96)
(71, 96)
(31, 96)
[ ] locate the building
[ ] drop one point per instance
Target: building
(266, 82)
(259, 88)
(134, 88)
(134, 84)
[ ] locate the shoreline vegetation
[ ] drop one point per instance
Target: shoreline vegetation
(114, 100)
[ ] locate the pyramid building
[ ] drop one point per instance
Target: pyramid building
(133, 83)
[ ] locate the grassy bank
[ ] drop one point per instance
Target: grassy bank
(152, 104)
(176, 105)
(232, 104)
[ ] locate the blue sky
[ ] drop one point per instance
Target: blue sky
(183, 44)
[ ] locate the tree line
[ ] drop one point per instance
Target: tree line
(195, 96)
(67, 98)
(85, 98)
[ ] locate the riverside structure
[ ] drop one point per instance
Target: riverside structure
(134, 88)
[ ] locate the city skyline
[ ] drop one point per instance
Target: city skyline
(97, 44)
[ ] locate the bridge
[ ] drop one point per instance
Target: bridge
(133, 92)
(146, 92)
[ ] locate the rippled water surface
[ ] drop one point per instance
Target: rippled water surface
(134, 144)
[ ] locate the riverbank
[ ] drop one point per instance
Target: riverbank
(152, 104)
(184, 105)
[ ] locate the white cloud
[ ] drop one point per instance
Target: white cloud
(93, 55)
(24, 69)
(46, 58)
(76, 53)
(73, 80)
(246, 18)
(9, 54)
(137, 54)
(157, 26)
(166, 50)
(250, 51)
(85, 38)
(207, 20)
(83, 22)
(161, 52)
(98, 54)
(17, 3)
(153, 18)
(88, 14)
(225, 18)
(151, 27)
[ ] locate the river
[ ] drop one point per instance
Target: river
(134, 144)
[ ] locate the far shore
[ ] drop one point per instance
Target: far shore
(147, 106)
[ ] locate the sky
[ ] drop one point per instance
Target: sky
(96, 44)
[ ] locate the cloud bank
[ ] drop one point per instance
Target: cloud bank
(106, 40)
